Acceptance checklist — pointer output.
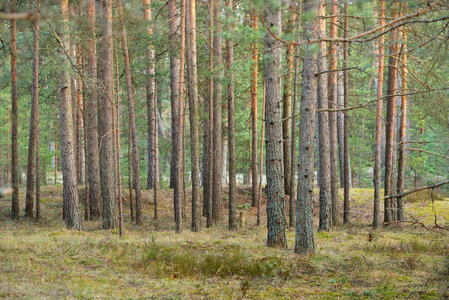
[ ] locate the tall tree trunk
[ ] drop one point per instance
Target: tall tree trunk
(217, 134)
(117, 146)
(333, 98)
(182, 110)
(273, 122)
(254, 65)
(391, 117)
(323, 128)
(347, 177)
(262, 133)
(192, 79)
(86, 150)
(231, 129)
(33, 123)
(106, 123)
(14, 123)
(208, 125)
(70, 191)
(403, 128)
(130, 176)
(155, 156)
(132, 119)
(175, 113)
(95, 200)
(378, 149)
(287, 108)
(150, 88)
(304, 243)
(36, 96)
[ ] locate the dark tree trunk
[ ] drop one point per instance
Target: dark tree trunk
(14, 123)
(33, 123)
(287, 108)
(93, 170)
(175, 113)
(254, 65)
(273, 122)
(378, 149)
(333, 98)
(231, 130)
(304, 243)
(391, 118)
(323, 129)
(192, 79)
(347, 174)
(217, 134)
(106, 123)
(70, 191)
(403, 128)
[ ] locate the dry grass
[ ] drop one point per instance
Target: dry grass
(44, 260)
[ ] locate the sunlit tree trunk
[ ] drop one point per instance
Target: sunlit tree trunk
(304, 243)
(323, 127)
(192, 80)
(273, 122)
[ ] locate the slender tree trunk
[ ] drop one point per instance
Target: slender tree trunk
(70, 191)
(182, 111)
(150, 87)
(254, 65)
(14, 123)
(192, 79)
(304, 243)
(287, 108)
(175, 111)
(33, 123)
(132, 119)
(273, 122)
(208, 125)
(217, 134)
(333, 99)
(391, 117)
(293, 167)
(106, 123)
(262, 134)
(323, 128)
(231, 129)
(378, 149)
(346, 205)
(36, 96)
(93, 170)
(86, 150)
(130, 176)
(156, 156)
(38, 175)
(403, 128)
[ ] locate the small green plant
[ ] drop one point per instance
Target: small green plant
(244, 206)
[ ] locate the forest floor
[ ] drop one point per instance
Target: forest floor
(44, 260)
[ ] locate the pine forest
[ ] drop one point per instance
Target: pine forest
(224, 149)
